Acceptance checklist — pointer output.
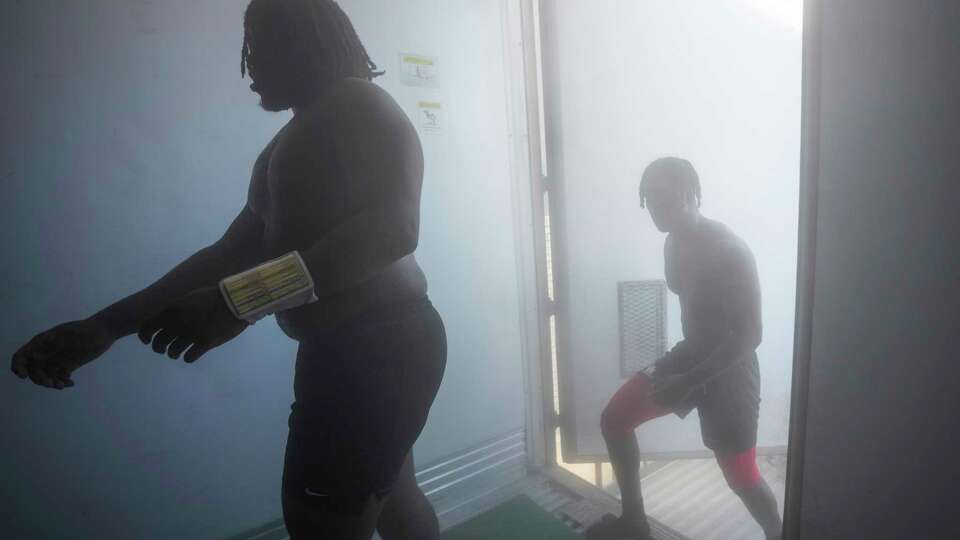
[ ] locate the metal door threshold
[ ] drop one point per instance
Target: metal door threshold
(583, 503)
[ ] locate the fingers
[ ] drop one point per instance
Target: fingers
(147, 330)
(195, 352)
(39, 374)
(162, 339)
(165, 330)
(172, 332)
(178, 346)
(63, 374)
(35, 360)
(18, 364)
(152, 325)
(45, 372)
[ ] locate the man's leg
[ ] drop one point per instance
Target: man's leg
(628, 408)
(311, 515)
(407, 513)
(743, 477)
(625, 461)
(362, 397)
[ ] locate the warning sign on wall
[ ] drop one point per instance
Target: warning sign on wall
(430, 116)
(418, 70)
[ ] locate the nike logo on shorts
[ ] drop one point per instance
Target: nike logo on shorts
(308, 491)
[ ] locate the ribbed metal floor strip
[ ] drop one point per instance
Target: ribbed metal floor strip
(692, 497)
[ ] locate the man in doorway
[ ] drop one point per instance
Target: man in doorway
(325, 242)
(713, 369)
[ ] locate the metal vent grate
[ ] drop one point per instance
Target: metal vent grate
(643, 324)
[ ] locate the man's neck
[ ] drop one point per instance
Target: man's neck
(690, 228)
(320, 94)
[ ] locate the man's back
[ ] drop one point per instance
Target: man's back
(707, 268)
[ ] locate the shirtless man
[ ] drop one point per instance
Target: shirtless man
(713, 369)
(335, 198)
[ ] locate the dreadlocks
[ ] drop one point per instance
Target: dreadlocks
(322, 27)
(678, 169)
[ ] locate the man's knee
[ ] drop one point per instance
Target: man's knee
(613, 422)
(740, 470)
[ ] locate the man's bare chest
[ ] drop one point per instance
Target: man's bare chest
(695, 275)
(298, 183)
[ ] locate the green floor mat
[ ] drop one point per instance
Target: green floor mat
(517, 519)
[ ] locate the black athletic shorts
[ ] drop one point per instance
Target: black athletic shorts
(361, 398)
(728, 405)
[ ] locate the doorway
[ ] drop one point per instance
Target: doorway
(620, 84)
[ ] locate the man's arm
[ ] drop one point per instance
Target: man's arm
(376, 147)
(237, 249)
(681, 349)
(742, 303)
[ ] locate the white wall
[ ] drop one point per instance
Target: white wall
(879, 459)
(717, 83)
(467, 247)
(128, 139)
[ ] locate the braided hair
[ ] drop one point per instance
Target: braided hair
(678, 169)
(322, 28)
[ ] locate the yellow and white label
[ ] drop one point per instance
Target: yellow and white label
(430, 114)
(274, 285)
(418, 70)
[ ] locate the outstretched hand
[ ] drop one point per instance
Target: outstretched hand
(50, 357)
(200, 320)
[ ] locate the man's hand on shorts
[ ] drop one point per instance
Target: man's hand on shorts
(200, 320)
(670, 391)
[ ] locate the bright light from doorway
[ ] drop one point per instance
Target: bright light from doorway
(788, 13)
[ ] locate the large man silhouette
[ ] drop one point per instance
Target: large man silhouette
(340, 185)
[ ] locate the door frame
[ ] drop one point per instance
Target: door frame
(551, 184)
(540, 401)
(806, 263)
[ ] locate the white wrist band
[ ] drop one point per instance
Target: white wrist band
(275, 285)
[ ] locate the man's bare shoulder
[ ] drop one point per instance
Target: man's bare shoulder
(356, 109)
(362, 92)
(354, 99)
(726, 244)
